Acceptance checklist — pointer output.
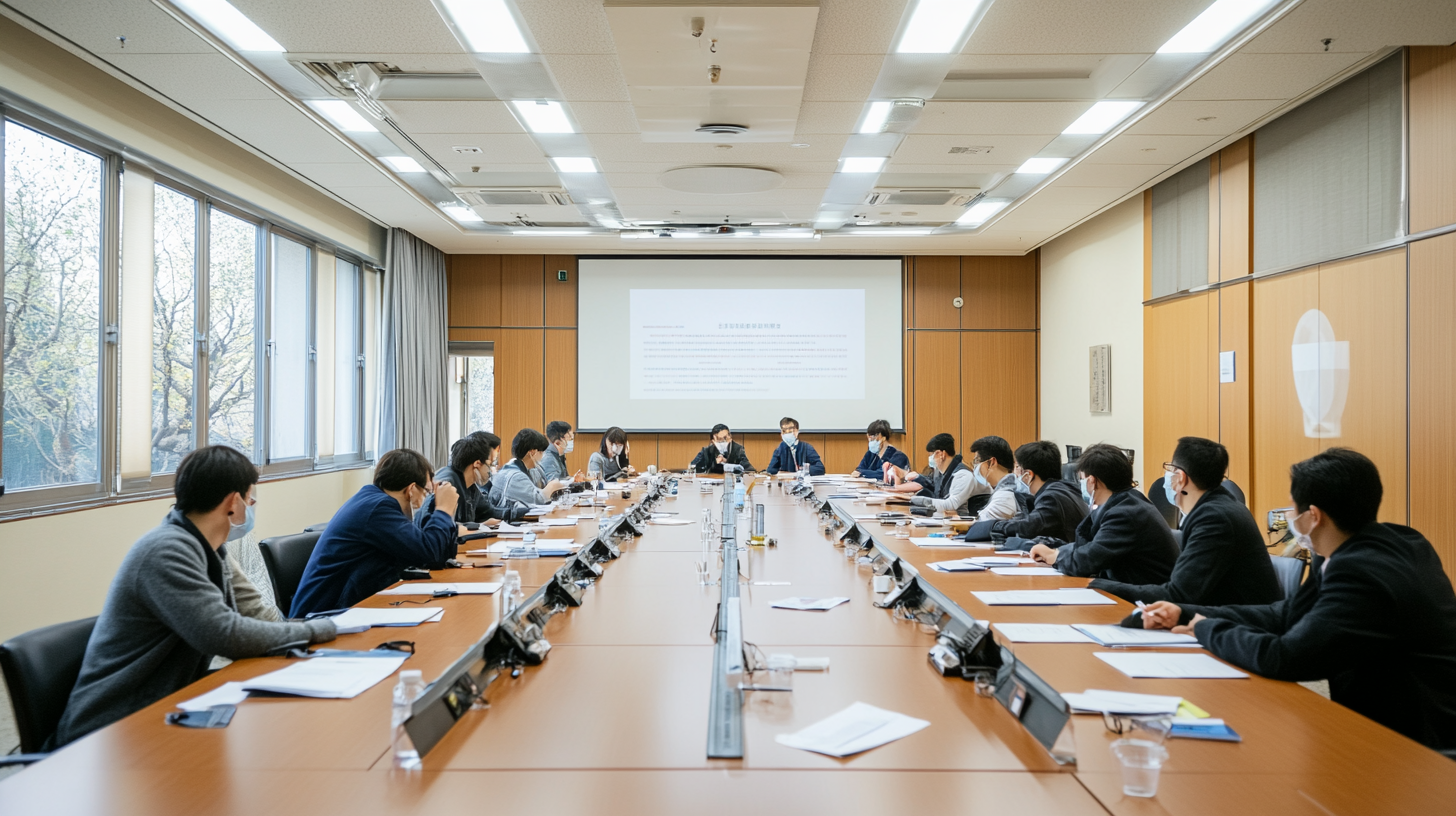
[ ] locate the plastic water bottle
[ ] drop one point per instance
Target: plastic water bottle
(739, 492)
(410, 686)
(511, 594)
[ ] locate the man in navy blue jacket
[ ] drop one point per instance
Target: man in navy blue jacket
(880, 453)
(372, 536)
(791, 452)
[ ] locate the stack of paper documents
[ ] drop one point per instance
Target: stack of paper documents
(360, 616)
(225, 694)
(1001, 560)
(1044, 597)
(857, 728)
(1169, 665)
(1041, 633)
(335, 677)
(557, 522)
(811, 604)
(1109, 635)
(945, 542)
(963, 565)
(474, 588)
(1120, 702)
(1027, 572)
(540, 509)
(555, 546)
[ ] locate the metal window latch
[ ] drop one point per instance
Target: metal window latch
(112, 334)
(312, 353)
(270, 346)
(359, 360)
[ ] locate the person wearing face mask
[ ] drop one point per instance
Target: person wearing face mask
(949, 486)
(560, 440)
(1124, 538)
(373, 536)
(1057, 506)
(171, 608)
(990, 467)
(1223, 558)
(468, 472)
(880, 452)
(1376, 616)
(792, 452)
(720, 450)
(610, 460)
(513, 485)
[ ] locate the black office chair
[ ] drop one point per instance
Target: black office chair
(40, 668)
(1159, 498)
(1289, 572)
(316, 528)
(286, 557)
(1238, 492)
(1069, 471)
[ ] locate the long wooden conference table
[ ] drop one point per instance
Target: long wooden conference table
(615, 720)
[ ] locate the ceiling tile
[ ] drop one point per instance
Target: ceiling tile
(359, 27)
(935, 148)
(841, 77)
(857, 26)
(454, 117)
(498, 148)
(829, 117)
(1184, 117)
(1267, 76)
(1358, 26)
(589, 77)
(605, 117)
(183, 77)
(95, 25)
(1079, 27)
(568, 26)
(343, 174)
(1088, 174)
(1164, 150)
(1050, 118)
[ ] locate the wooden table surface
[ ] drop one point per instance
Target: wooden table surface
(615, 719)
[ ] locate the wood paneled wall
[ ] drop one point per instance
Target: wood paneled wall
(969, 371)
(1432, 139)
(1433, 391)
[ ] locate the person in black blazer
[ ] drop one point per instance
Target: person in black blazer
(722, 450)
(1057, 507)
(1224, 559)
(1124, 538)
(1376, 616)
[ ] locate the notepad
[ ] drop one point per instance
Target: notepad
(1094, 701)
(1044, 597)
(361, 616)
(853, 730)
(332, 677)
(1000, 560)
(1041, 633)
(225, 694)
(1169, 665)
(1109, 635)
(809, 604)
(963, 565)
(472, 588)
(1027, 572)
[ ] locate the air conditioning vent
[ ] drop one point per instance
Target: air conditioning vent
(922, 196)
(513, 196)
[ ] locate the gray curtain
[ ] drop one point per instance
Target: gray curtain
(413, 412)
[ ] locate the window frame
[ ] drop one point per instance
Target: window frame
(263, 402)
(361, 453)
(200, 300)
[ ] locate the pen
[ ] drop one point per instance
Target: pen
(1140, 607)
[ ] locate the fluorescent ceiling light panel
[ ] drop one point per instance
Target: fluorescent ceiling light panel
(889, 231)
(402, 164)
(980, 212)
(575, 164)
(1215, 26)
(874, 121)
(343, 115)
(551, 233)
(1102, 117)
(863, 164)
(936, 26)
(487, 26)
(1040, 167)
(463, 214)
(750, 223)
(542, 116)
(224, 20)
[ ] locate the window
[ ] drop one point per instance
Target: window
(1180, 231)
(174, 299)
(471, 388)
(290, 346)
(348, 360)
(373, 298)
(52, 295)
(232, 356)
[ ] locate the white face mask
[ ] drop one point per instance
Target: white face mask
(934, 464)
(722, 446)
(570, 446)
(1302, 539)
(614, 450)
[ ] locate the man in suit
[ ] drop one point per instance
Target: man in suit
(720, 451)
(1376, 616)
(793, 452)
(1057, 506)
(1224, 559)
(1124, 538)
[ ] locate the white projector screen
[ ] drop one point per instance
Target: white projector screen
(681, 344)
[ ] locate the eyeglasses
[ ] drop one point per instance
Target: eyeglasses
(1156, 727)
(1169, 467)
(397, 646)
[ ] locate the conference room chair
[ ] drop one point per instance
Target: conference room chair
(1069, 472)
(286, 557)
(316, 528)
(1159, 498)
(1289, 572)
(1230, 486)
(40, 668)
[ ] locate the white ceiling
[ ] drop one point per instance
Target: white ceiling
(1052, 58)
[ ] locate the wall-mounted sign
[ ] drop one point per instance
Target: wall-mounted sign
(1225, 366)
(1100, 379)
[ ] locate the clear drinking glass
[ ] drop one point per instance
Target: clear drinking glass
(1141, 762)
(902, 529)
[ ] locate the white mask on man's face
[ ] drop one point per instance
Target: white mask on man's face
(722, 446)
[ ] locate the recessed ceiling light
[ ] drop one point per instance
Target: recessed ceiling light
(543, 116)
(863, 164)
(981, 211)
(1101, 117)
(224, 20)
(463, 214)
(487, 26)
(1214, 26)
(1040, 166)
(800, 145)
(874, 120)
(575, 164)
(938, 26)
(402, 164)
(343, 115)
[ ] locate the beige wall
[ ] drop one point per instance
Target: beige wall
(58, 568)
(1092, 293)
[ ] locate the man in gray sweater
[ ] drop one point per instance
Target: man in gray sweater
(171, 606)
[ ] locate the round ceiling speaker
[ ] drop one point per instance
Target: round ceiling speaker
(720, 179)
(723, 129)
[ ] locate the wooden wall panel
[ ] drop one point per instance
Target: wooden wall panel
(559, 387)
(936, 283)
(999, 292)
(676, 451)
(1278, 421)
(1235, 211)
(1235, 412)
(521, 293)
(560, 296)
(998, 386)
(519, 363)
(1180, 377)
(1433, 392)
(1364, 298)
(1432, 128)
(842, 452)
(937, 383)
(474, 289)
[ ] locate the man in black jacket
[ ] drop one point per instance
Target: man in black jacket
(1376, 617)
(722, 450)
(1057, 506)
(1124, 538)
(467, 472)
(1224, 559)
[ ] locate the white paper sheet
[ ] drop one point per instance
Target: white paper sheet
(857, 728)
(472, 588)
(1121, 702)
(1000, 560)
(1169, 665)
(1044, 597)
(948, 543)
(333, 677)
(1110, 635)
(1027, 572)
(808, 604)
(558, 522)
(360, 616)
(503, 547)
(1041, 633)
(963, 565)
(225, 694)
(580, 516)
